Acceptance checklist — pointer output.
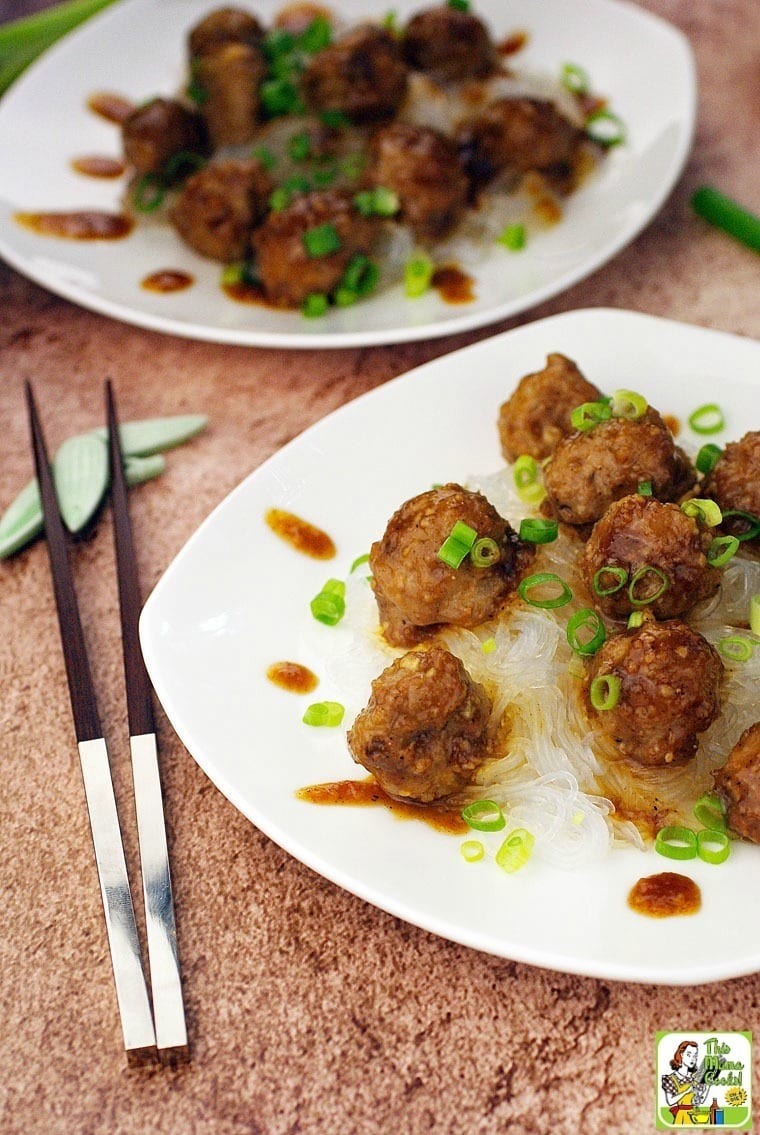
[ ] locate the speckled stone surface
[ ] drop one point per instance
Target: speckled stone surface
(309, 1011)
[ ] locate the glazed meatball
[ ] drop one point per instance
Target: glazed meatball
(537, 416)
(155, 132)
(225, 25)
(449, 44)
(230, 77)
(734, 482)
(361, 74)
(638, 533)
(287, 269)
(592, 468)
(670, 682)
(514, 135)
(219, 206)
(738, 784)
(422, 167)
(416, 591)
(424, 732)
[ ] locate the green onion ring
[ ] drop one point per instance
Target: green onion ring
(605, 128)
(484, 816)
(707, 419)
(329, 606)
(418, 274)
(472, 850)
(639, 575)
(589, 414)
(707, 512)
(628, 404)
(708, 457)
(586, 619)
(575, 79)
(604, 692)
(328, 713)
(645, 488)
(515, 851)
(485, 552)
(621, 577)
(736, 648)
(358, 562)
(148, 194)
(710, 812)
(676, 842)
(750, 518)
(713, 846)
(525, 471)
(457, 545)
(539, 579)
(512, 237)
(635, 619)
(721, 550)
(534, 531)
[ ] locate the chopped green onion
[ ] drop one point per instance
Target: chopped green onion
(390, 20)
(534, 531)
(604, 692)
(721, 550)
(485, 552)
(589, 622)
(328, 713)
(459, 5)
(676, 842)
(642, 573)
(619, 575)
(645, 488)
(377, 202)
(325, 174)
(589, 414)
(544, 579)
(316, 36)
(361, 275)
(713, 846)
(575, 79)
(708, 457)
(148, 193)
(605, 128)
(182, 164)
(321, 241)
(315, 305)
(628, 404)
(264, 156)
(232, 274)
(280, 96)
(635, 619)
(472, 850)
(754, 614)
(344, 297)
(352, 165)
(278, 41)
(489, 646)
(484, 816)
(512, 237)
(736, 648)
(707, 419)
(710, 812)
(706, 512)
(358, 562)
(516, 850)
(418, 274)
(329, 606)
(299, 146)
(334, 119)
(753, 521)
(525, 476)
(728, 215)
(279, 199)
(457, 545)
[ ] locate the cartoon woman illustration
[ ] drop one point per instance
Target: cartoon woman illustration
(682, 1089)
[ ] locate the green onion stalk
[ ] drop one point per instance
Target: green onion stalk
(21, 41)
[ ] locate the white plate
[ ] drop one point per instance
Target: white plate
(136, 48)
(236, 599)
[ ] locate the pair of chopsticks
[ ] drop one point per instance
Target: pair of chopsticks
(161, 1032)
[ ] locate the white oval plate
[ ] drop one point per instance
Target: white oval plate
(237, 598)
(136, 48)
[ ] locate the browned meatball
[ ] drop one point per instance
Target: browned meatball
(225, 25)
(219, 206)
(515, 135)
(422, 167)
(230, 77)
(155, 132)
(424, 732)
(537, 416)
(591, 469)
(361, 74)
(287, 269)
(735, 481)
(670, 680)
(638, 533)
(416, 591)
(738, 783)
(449, 44)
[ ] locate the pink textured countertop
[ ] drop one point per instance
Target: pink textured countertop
(309, 1011)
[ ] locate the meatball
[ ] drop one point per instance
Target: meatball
(734, 481)
(638, 533)
(219, 206)
(225, 25)
(670, 680)
(449, 44)
(537, 416)
(422, 167)
(230, 77)
(592, 468)
(361, 74)
(155, 132)
(514, 135)
(424, 732)
(288, 270)
(416, 591)
(738, 784)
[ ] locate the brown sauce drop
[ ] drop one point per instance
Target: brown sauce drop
(87, 225)
(292, 676)
(300, 534)
(512, 43)
(167, 280)
(112, 107)
(665, 895)
(243, 292)
(672, 423)
(364, 793)
(453, 285)
(97, 165)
